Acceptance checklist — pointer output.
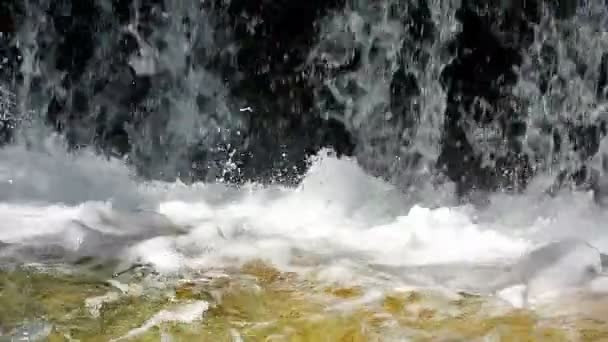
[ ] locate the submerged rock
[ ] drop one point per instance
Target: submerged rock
(35, 331)
(267, 306)
(553, 268)
(98, 240)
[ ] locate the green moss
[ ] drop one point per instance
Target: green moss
(26, 295)
(60, 299)
(260, 303)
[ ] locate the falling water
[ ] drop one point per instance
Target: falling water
(390, 95)
(128, 168)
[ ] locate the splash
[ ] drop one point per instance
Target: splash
(340, 225)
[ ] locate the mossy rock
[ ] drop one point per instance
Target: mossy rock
(259, 303)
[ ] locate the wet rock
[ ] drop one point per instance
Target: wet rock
(404, 89)
(599, 185)
(553, 268)
(99, 243)
(35, 331)
(493, 40)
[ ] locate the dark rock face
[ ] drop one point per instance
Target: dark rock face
(101, 94)
(485, 101)
(257, 50)
(272, 81)
(479, 85)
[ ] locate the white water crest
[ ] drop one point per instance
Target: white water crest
(339, 225)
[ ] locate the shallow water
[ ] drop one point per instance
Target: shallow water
(344, 256)
(259, 303)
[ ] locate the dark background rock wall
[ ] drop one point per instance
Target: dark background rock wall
(266, 73)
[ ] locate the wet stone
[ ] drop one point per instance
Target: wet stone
(259, 302)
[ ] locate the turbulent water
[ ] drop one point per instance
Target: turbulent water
(339, 224)
(381, 219)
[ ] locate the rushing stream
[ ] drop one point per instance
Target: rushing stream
(387, 170)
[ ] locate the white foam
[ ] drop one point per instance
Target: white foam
(95, 304)
(187, 313)
(337, 212)
(49, 175)
(347, 223)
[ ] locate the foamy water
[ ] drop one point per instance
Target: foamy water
(339, 225)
